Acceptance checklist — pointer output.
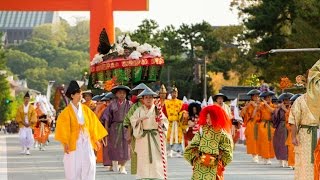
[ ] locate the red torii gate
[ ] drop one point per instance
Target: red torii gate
(101, 12)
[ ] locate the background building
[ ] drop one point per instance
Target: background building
(17, 25)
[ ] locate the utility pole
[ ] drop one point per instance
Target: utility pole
(205, 78)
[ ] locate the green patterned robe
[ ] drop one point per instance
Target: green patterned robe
(127, 124)
(209, 142)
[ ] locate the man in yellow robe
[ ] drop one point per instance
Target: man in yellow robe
(26, 118)
(173, 109)
(79, 131)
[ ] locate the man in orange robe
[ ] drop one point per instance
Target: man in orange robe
(251, 116)
(87, 96)
(266, 130)
(102, 103)
(291, 155)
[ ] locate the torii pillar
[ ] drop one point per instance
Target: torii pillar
(101, 12)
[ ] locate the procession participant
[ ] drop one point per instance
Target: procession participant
(304, 138)
(79, 131)
(42, 130)
(236, 120)
(147, 143)
(102, 155)
(193, 126)
(220, 99)
(266, 130)
(304, 119)
(162, 94)
(87, 96)
(291, 155)
(100, 107)
(113, 116)
(251, 116)
(173, 109)
(279, 123)
(26, 117)
(126, 123)
(209, 161)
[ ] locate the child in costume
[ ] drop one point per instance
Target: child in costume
(209, 161)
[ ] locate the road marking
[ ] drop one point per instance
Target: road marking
(3, 158)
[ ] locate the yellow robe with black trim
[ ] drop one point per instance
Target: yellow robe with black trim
(68, 128)
(32, 116)
(174, 112)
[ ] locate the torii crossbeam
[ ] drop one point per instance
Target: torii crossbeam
(101, 12)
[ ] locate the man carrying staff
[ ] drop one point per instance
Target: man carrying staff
(147, 143)
(126, 123)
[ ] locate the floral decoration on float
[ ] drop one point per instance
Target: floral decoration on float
(126, 62)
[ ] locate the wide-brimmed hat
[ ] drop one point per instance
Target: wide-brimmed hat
(73, 87)
(96, 97)
(120, 87)
(87, 92)
(294, 97)
(107, 96)
(267, 93)
(225, 98)
(253, 92)
(147, 92)
(135, 90)
(284, 96)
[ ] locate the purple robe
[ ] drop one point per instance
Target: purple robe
(280, 135)
(117, 148)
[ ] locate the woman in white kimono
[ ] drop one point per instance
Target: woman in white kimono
(145, 130)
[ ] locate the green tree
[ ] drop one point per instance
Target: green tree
(281, 24)
(55, 33)
(19, 61)
(78, 36)
(5, 97)
(147, 32)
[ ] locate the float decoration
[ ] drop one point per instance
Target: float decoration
(126, 62)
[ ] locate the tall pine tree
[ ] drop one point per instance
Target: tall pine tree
(5, 98)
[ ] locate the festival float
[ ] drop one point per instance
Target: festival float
(126, 62)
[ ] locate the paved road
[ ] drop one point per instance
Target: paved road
(47, 165)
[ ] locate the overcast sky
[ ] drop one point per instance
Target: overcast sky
(166, 12)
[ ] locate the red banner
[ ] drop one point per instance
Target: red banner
(125, 63)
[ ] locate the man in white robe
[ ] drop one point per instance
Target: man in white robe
(79, 130)
(150, 162)
(26, 117)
